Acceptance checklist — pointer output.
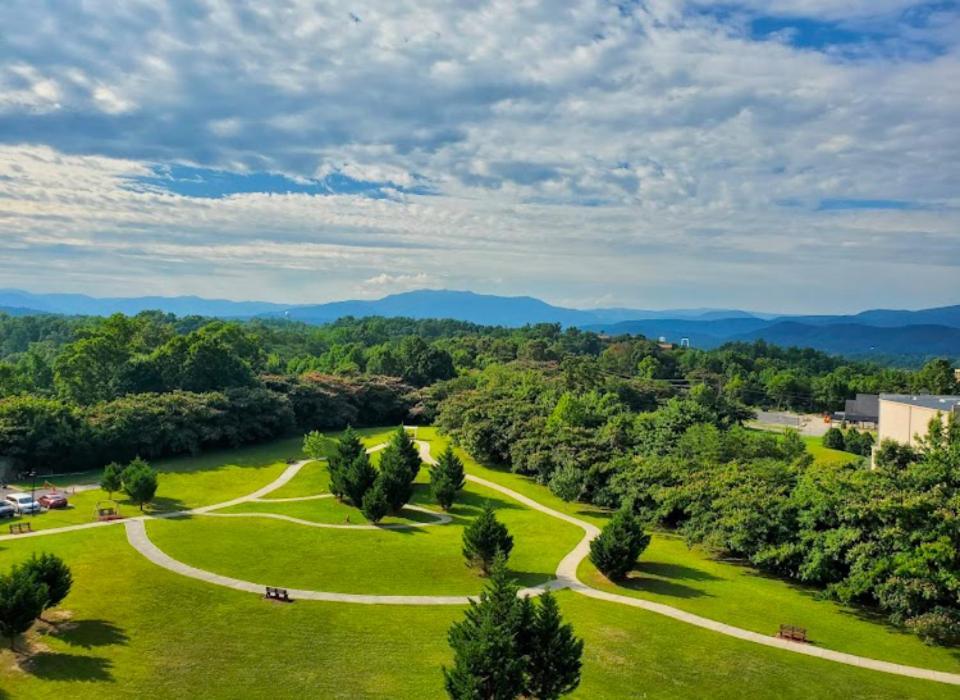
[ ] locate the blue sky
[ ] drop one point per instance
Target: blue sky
(791, 155)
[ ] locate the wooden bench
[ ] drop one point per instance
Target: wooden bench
(20, 528)
(794, 634)
(278, 594)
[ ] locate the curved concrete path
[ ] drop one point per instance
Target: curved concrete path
(566, 576)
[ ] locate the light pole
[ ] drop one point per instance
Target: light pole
(33, 491)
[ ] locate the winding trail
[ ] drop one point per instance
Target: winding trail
(566, 572)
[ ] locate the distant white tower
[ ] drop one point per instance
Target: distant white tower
(684, 342)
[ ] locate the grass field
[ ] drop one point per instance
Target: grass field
(136, 630)
(132, 629)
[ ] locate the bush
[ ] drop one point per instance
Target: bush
(614, 552)
(833, 439)
(940, 626)
(485, 539)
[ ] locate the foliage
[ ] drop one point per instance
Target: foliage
(22, 600)
(488, 661)
(358, 477)
(139, 482)
(553, 663)
(446, 478)
(615, 550)
(51, 571)
(112, 479)
(348, 450)
(376, 502)
(485, 539)
(833, 439)
(506, 647)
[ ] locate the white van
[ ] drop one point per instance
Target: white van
(23, 503)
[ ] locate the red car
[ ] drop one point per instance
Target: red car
(53, 500)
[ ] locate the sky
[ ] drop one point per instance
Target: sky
(777, 155)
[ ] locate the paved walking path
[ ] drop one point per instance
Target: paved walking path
(566, 574)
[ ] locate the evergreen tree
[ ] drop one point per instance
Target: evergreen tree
(488, 656)
(375, 502)
(348, 449)
(395, 477)
(484, 539)
(833, 439)
(112, 480)
(358, 478)
(50, 570)
(616, 549)
(140, 482)
(407, 450)
(446, 478)
(553, 653)
(22, 598)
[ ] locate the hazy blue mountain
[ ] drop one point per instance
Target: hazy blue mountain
(437, 303)
(83, 305)
(18, 311)
(891, 318)
(701, 333)
(857, 339)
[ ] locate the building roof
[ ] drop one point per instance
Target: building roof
(937, 403)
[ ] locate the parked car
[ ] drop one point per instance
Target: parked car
(23, 503)
(7, 510)
(53, 500)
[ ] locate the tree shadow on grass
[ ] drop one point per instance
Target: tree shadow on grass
(92, 633)
(55, 666)
(163, 504)
(663, 579)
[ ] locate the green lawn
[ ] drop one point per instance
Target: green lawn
(136, 630)
(826, 455)
(691, 580)
(412, 561)
(184, 482)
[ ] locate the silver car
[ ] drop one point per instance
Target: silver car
(23, 503)
(7, 510)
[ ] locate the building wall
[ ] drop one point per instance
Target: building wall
(904, 422)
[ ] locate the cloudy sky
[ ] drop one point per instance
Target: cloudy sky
(781, 155)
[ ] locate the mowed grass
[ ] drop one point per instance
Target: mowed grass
(136, 630)
(690, 579)
(183, 483)
(826, 455)
(411, 561)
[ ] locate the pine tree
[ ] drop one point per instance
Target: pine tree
(22, 598)
(407, 451)
(553, 653)
(348, 449)
(395, 477)
(484, 539)
(50, 570)
(111, 481)
(446, 478)
(488, 659)
(375, 503)
(358, 478)
(616, 549)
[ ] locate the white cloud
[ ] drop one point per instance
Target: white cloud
(587, 153)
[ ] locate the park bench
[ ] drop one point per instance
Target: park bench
(278, 594)
(20, 528)
(794, 634)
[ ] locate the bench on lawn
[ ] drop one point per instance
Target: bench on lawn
(20, 528)
(278, 594)
(794, 634)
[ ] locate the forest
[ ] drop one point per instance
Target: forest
(613, 421)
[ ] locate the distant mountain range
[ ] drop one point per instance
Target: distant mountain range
(877, 332)
(83, 305)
